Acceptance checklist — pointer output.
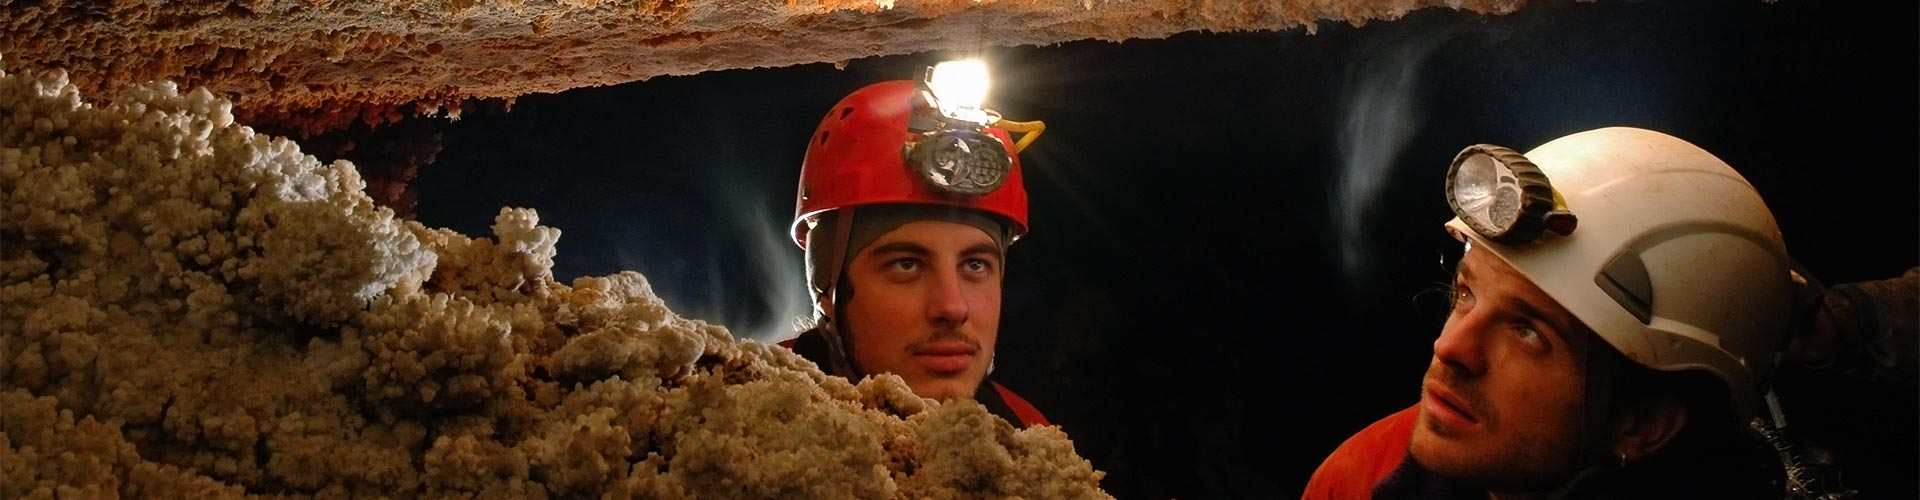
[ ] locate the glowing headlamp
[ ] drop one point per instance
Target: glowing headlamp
(952, 151)
(959, 89)
(1503, 196)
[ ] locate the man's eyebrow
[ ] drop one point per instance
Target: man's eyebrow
(1525, 308)
(982, 248)
(1528, 309)
(907, 247)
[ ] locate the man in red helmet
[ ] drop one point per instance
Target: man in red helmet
(909, 196)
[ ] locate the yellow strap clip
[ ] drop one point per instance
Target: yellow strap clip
(1029, 132)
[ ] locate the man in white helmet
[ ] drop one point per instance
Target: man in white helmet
(1615, 318)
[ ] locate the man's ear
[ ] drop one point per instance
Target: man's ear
(823, 305)
(1649, 427)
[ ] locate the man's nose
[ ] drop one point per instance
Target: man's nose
(947, 300)
(1461, 344)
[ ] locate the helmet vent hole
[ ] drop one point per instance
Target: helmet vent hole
(846, 111)
(1626, 281)
(823, 138)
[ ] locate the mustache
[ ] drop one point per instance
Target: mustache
(941, 336)
(1467, 391)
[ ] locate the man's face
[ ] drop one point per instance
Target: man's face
(926, 306)
(1502, 401)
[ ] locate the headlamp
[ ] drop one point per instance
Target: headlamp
(1503, 196)
(951, 149)
(967, 162)
(959, 88)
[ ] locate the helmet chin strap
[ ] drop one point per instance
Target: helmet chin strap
(838, 357)
(1805, 478)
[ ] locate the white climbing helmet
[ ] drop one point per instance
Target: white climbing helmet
(1674, 259)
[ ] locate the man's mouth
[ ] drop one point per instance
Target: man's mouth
(945, 357)
(1443, 406)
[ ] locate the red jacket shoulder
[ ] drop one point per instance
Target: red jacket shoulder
(1029, 415)
(1364, 459)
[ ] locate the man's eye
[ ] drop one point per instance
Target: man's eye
(977, 265)
(904, 265)
(1462, 296)
(1531, 336)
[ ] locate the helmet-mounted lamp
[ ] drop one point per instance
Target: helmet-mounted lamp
(951, 149)
(1504, 197)
(959, 88)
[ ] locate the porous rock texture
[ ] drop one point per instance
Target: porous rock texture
(317, 65)
(191, 309)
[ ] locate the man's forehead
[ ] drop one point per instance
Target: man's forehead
(1482, 264)
(1490, 273)
(930, 235)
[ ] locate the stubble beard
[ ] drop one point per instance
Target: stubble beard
(1502, 460)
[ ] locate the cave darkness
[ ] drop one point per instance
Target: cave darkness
(1188, 307)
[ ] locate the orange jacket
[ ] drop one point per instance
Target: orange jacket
(1364, 460)
(1374, 464)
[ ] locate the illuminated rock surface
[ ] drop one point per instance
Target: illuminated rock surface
(190, 309)
(318, 65)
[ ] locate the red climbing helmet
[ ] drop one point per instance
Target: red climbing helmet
(891, 143)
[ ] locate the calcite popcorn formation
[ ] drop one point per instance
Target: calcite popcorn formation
(190, 309)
